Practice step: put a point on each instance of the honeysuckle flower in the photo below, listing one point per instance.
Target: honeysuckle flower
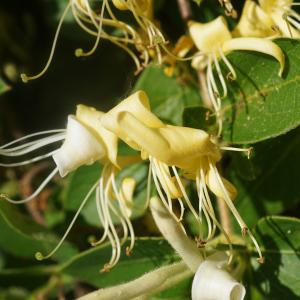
(255, 22)
(229, 10)
(85, 141)
(212, 281)
(171, 150)
(286, 19)
(213, 41)
(93, 23)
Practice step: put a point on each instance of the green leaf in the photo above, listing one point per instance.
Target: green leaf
(168, 96)
(198, 117)
(23, 238)
(278, 277)
(268, 183)
(260, 104)
(148, 254)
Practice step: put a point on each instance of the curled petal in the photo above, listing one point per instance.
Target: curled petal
(256, 44)
(212, 281)
(80, 147)
(138, 105)
(208, 37)
(174, 145)
(214, 186)
(91, 117)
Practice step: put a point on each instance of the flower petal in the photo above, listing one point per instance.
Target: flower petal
(212, 281)
(80, 147)
(91, 117)
(208, 37)
(258, 45)
(254, 22)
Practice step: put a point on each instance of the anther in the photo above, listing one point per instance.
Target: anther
(24, 77)
(244, 231)
(128, 251)
(39, 256)
(261, 260)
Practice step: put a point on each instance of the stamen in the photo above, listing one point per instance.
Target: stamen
(79, 52)
(121, 199)
(220, 75)
(32, 196)
(26, 78)
(232, 74)
(32, 146)
(249, 150)
(32, 135)
(187, 200)
(39, 255)
(29, 161)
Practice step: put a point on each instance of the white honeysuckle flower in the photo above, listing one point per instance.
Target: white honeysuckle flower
(85, 141)
(175, 152)
(213, 282)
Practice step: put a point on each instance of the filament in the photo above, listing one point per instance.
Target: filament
(39, 255)
(26, 78)
(37, 191)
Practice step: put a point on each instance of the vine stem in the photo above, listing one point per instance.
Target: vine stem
(185, 10)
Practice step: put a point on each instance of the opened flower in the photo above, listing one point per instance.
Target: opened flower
(213, 41)
(171, 150)
(286, 19)
(85, 142)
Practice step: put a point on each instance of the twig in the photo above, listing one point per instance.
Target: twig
(185, 10)
(26, 190)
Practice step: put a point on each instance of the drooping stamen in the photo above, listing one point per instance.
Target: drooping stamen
(158, 189)
(26, 78)
(210, 210)
(232, 74)
(121, 200)
(39, 255)
(188, 201)
(32, 196)
(220, 75)
(234, 210)
(79, 52)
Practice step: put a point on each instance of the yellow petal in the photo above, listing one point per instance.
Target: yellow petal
(183, 46)
(271, 5)
(254, 22)
(91, 117)
(138, 105)
(174, 145)
(213, 184)
(208, 37)
(80, 147)
(256, 44)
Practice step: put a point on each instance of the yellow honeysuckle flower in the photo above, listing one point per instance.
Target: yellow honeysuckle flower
(170, 149)
(214, 41)
(254, 22)
(285, 18)
(85, 141)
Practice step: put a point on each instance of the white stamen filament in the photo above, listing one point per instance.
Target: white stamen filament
(39, 255)
(232, 72)
(26, 78)
(220, 75)
(33, 195)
